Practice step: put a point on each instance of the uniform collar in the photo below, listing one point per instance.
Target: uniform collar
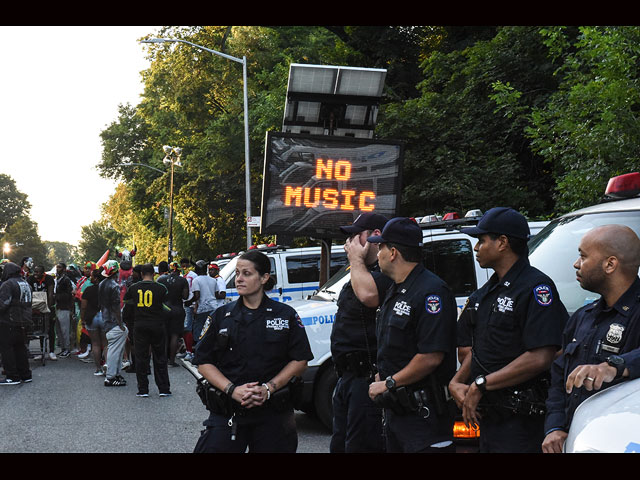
(513, 273)
(625, 303)
(408, 282)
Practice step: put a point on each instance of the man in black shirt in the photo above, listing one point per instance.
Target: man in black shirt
(148, 297)
(178, 288)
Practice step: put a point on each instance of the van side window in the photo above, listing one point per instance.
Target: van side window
(453, 262)
(303, 268)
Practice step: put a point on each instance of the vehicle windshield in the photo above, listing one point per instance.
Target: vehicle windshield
(555, 249)
(331, 289)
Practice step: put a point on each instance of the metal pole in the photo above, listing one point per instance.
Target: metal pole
(247, 173)
(170, 255)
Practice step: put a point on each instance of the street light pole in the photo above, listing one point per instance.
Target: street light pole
(173, 157)
(243, 61)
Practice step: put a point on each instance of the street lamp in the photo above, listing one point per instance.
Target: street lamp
(6, 248)
(172, 157)
(243, 61)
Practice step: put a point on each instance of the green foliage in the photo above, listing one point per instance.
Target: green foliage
(537, 118)
(23, 236)
(14, 203)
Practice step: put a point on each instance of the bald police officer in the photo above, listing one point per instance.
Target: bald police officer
(601, 344)
(416, 345)
(516, 321)
(357, 421)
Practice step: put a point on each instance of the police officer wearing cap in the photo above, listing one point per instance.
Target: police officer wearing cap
(416, 345)
(516, 321)
(357, 421)
(249, 352)
(601, 343)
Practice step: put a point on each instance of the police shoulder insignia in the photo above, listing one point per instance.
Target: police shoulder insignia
(543, 295)
(299, 321)
(433, 304)
(205, 327)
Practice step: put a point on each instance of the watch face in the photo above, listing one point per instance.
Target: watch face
(480, 380)
(615, 360)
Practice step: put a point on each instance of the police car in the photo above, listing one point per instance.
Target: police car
(296, 270)
(446, 252)
(609, 421)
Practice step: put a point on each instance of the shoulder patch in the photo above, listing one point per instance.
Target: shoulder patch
(543, 295)
(433, 304)
(299, 321)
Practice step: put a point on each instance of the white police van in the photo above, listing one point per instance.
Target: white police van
(609, 421)
(447, 252)
(296, 270)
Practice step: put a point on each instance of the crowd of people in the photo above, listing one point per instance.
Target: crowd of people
(115, 316)
(513, 363)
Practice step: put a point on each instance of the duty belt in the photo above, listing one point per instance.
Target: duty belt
(356, 363)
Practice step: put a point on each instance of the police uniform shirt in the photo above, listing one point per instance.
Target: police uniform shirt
(520, 313)
(354, 327)
(593, 333)
(418, 316)
(147, 299)
(252, 345)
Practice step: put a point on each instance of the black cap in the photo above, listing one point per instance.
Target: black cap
(502, 221)
(365, 221)
(400, 230)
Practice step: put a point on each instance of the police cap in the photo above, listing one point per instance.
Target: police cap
(400, 230)
(502, 221)
(365, 221)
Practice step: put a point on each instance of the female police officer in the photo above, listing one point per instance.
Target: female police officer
(249, 351)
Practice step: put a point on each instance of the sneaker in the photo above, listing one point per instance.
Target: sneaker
(125, 364)
(188, 356)
(8, 381)
(115, 382)
(64, 354)
(141, 394)
(165, 394)
(52, 356)
(38, 357)
(104, 369)
(27, 380)
(86, 353)
(99, 373)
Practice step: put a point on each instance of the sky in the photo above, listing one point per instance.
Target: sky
(60, 86)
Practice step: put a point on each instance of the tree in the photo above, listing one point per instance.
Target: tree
(14, 203)
(23, 233)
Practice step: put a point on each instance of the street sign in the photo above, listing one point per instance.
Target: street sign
(314, 184)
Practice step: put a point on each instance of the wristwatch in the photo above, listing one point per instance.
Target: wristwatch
(481, 383)
(618, 363)
(390, 383)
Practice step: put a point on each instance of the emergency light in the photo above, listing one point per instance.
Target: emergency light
(623, 186)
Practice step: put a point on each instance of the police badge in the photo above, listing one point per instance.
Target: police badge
(614, 335)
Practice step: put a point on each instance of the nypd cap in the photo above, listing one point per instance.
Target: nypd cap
(400, 230)
(502, 221)
(365, 221)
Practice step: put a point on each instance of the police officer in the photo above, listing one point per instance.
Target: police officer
(601, 341)
(416, 345)
(249, 352)
(516, 320)
(357, 421)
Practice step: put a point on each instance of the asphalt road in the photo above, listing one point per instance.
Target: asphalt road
(66, 409)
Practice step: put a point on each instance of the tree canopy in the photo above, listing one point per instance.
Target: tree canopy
(533, 117)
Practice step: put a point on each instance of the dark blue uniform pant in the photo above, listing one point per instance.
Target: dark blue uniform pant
(512, 434)
(15, 356)
(266, 433)
(412, 433)
(357, 421)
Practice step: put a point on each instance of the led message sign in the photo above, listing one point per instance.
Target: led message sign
(313, 184)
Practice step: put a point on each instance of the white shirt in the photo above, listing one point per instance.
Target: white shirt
(207, 286)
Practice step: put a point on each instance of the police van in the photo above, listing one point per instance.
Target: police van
(296, 270)
(447, 252)
(609, 421)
